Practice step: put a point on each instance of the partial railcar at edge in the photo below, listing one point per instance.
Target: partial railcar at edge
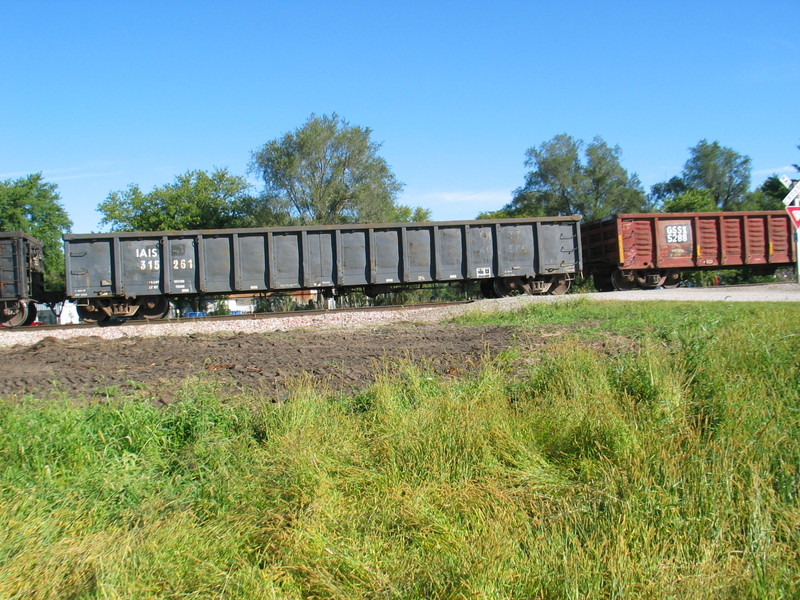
(127, 273)
(21, 278)
(651, 250)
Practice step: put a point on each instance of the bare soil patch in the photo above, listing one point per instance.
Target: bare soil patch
(262, 363)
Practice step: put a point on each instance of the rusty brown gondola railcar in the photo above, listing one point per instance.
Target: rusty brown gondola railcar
(651, 250)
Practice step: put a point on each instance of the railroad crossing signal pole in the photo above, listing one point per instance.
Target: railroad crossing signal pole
(791, 204)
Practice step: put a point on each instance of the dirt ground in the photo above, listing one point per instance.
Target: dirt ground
(262, 363)
(265, 363)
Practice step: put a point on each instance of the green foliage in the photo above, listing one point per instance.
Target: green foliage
(405, 214)
(221, 307)
(196, 200)
(31, 205)
(560, 182)
(721, 171)
(653, 453)
(329, 172)
(690, 201)
(254, 212)
(503, 213)
(713, 176)
(768, 197)
(660, 193)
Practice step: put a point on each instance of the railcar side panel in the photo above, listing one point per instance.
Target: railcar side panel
(13, 278)
(89, 268)
(707, 241)
(181, 274)
(732, 243)
(418, 254)
(558, 247)
(319, 252)
(354, 270)
(251, 263)
(141, 269)
(449, 258)
(285, 261)
(217, 264)
(515, 250)
(385, 256)
(668, 242)
(480, 251)
(780, 233)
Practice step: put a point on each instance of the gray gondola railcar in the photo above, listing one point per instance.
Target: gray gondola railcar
(21, 278)
(122, 274)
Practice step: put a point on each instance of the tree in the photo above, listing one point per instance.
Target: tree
(196, 200)
(404, 214)
(327, 171)
(663, 192)
(560, 182)
(31, 205)
(721, 171)
(767, 197)
(770, 195)
(690, 201)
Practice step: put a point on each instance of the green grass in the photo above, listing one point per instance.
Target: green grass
(662, 320)
(669, 470)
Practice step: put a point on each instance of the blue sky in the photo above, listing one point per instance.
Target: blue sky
(100, 95)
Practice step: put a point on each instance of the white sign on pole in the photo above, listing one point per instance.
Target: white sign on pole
(786, 181)
(792, 196)
(794, 215)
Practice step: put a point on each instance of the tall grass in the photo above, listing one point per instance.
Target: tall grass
(669, 470)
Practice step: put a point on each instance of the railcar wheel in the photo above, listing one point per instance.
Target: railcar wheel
(501, 288)
(622, 283)
(487, 288)
(91, 314)
(508, 286)
(156, 307)
(22, 316)
(602, 282)
(32, 312)
(560, 286)
(648, 281)
(672, 280)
